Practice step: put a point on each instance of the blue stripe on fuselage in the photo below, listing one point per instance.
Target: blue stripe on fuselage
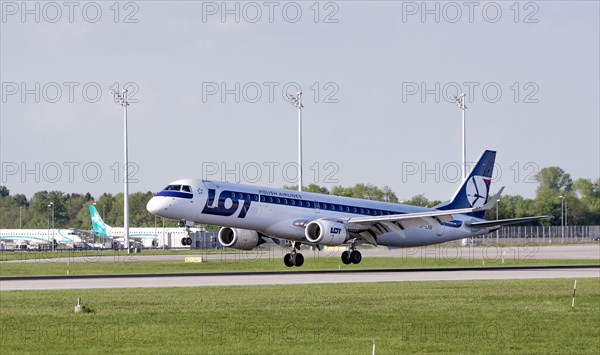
(175, 194)
(237, 197)
(326, 206)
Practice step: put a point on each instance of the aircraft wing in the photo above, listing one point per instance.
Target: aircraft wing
(422, 218)
(502, 222)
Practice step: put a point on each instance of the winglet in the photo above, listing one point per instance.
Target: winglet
(492, 202)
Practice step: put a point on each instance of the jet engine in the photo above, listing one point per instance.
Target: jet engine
(239, 238)
(326, 232)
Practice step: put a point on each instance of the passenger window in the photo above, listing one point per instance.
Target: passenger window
(285, 202)
(262, 198)
(300, 203)
(293, 203)
(277, 200)
(270, 199)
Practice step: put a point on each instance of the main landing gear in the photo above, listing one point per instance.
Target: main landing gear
(351, 256)
(295, 258)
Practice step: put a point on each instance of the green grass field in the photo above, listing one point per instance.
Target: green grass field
(241, 263)
(75, 253)
(529, 316)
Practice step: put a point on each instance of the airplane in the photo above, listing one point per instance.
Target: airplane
(37, 237)
(251, 215)
(148, 237)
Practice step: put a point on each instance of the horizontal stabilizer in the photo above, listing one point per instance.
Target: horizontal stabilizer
(503, 222)
(441, 215)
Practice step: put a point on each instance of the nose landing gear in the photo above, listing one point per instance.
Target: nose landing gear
(186, 240)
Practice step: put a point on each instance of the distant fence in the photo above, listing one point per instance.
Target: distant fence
(208, 240)
(543, 234)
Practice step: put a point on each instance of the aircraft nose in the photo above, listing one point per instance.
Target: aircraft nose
(155, 205)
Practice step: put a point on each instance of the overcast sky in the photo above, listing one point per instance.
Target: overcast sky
(210, 80)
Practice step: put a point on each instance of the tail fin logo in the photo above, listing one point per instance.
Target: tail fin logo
(98, 225)
(477, 190)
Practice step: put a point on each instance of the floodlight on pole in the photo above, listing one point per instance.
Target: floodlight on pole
(562, 218)
(51, 206)
(297, 101)
(460, 102)
(121, 99)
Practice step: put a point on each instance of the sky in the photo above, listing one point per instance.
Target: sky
(207, 85)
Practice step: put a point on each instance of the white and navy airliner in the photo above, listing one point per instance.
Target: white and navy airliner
(252, 215)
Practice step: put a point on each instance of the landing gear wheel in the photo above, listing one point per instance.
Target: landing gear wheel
(298, 259)
(346, 257)
(183, 241)
(355, 257)
(188, 241)
(294, 258)
(287, 260)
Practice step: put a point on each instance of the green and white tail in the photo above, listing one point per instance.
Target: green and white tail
(98, 225)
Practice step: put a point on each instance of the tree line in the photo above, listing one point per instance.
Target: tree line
(71, 210)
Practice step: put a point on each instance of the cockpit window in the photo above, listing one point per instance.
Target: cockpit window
(173, 188)
(186, 188)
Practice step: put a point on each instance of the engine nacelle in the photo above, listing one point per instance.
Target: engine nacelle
(326, 232)
(239, 238)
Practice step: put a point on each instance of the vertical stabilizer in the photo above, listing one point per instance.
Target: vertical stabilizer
(475, 190)
(98, 225)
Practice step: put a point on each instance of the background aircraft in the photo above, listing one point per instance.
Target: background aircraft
(252, 215)
(148, 237)
(37, 238)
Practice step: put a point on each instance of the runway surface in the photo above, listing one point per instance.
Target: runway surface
(293, 278)
(439, 252)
